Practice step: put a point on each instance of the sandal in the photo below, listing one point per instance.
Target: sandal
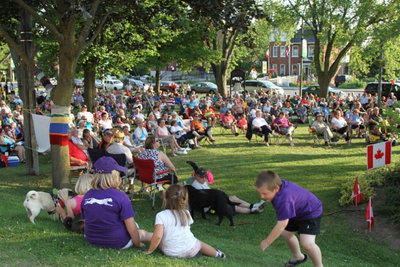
(294, 263)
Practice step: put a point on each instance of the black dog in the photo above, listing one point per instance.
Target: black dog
(215, 199)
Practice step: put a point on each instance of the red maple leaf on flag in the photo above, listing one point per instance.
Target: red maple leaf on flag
(379, 154)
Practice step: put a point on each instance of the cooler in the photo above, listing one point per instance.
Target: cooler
(13, 161)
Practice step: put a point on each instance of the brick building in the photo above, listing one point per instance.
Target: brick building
(286, 61)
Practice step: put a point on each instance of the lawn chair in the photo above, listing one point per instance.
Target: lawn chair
(145, 170)
(317, 138)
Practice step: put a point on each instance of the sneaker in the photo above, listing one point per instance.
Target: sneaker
(181, 152)
(188, 148)
(266, 144)
(220, 254)
(256, 210)
(174, 155)
(259, 205)
(291, 143)
(236, 134)
(334, 143)
(326, 143)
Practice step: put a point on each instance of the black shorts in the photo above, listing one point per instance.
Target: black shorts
(309, 226)
(357, 126)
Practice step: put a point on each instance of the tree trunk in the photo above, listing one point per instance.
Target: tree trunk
(90, 89)
(324, 81)
(220, 78)
(157, 87)
(62, 100)
(27, 93)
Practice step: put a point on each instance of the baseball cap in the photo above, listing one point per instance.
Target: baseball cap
(84, 106)
(107, 165)
(201, 172)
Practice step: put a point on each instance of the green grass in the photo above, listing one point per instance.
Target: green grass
(235, 164)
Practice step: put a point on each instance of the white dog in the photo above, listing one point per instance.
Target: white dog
(35, 201)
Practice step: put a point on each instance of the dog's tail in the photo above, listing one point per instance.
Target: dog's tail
(194, 165)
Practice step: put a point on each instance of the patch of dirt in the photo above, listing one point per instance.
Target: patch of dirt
(384, 230)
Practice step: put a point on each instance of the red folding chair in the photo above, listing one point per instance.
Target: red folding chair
(145, 170)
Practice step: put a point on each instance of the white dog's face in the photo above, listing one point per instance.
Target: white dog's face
(35, 201)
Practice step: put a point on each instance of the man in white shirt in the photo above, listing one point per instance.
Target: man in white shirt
(260, 125)
(200, 175)
(87, 114)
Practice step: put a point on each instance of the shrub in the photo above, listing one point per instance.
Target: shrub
(353, 83)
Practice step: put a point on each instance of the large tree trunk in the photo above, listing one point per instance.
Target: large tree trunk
(220, 78)
(27, 93)
(324, 81)
(90, 89)
(62, 100)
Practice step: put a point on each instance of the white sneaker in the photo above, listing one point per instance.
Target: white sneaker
(266, 144)
(259, 205)
(187, 148)
(291, 143)
(181, 152)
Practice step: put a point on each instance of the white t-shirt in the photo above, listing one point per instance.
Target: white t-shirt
(177, 239)
(339, 123)
(258, 122)
(199, 186)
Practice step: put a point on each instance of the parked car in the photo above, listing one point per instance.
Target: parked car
(78, 83)
(267, 86)
(339, 79)
(314, 89)
(168, 86)
(134, 83)
(387, 88)
(98, 84)
(204, 87)
(113, 84)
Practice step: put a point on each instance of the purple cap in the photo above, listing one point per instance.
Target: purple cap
(107, 165)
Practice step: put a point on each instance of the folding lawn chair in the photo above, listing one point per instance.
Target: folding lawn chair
(146, 173)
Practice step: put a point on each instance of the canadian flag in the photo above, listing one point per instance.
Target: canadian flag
(379, 155)
(369, 215)
(267, 54)
(287, 52)
(356, 194)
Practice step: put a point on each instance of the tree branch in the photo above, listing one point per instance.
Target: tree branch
(52, 28)
(95, 34)
(10, 41)
(85, 30)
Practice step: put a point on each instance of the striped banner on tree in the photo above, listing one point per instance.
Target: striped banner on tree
(59, 129)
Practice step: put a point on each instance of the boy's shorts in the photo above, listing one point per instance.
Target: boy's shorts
(308, 226)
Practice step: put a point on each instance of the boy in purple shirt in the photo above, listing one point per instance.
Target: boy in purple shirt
(296, 210)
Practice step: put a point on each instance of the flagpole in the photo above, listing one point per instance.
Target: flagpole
(370, 223)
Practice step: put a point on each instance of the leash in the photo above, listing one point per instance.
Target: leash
(339, 211)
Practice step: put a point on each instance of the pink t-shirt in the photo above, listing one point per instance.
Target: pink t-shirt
(77, 209)
(284, 122)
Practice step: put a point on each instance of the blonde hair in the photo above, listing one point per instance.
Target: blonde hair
(84, 183)
(106, 180)
(268, 179)
(176, 199)
(119, 135)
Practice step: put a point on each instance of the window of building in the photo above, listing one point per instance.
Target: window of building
(275, 51)
(310, 51)
(275, 67)
(295, 69)
(295, 51)
(282, 70)
(282, 51)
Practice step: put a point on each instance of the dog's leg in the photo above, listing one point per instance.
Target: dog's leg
(220, 218)
(34, 214)
(231, 220)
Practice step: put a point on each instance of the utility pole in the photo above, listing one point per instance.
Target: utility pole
(380, 75)
(301, 62)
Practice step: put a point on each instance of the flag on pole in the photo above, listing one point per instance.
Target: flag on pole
(356, 194)
(267, 54)
(369, 215)
(287, 52)
(379, 154)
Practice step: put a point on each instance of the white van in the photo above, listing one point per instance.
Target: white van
(113, 84)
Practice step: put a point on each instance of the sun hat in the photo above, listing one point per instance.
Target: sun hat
(107, 165)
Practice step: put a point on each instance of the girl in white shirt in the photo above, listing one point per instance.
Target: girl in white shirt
(172, 233)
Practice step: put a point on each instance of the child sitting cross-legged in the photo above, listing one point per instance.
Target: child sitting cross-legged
(172, 233)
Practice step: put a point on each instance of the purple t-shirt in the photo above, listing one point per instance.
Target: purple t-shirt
(295, 202)
(104, 212)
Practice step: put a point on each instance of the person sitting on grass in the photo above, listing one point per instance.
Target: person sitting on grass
(108, 212)
(200, 176)
(297, 210)
(172, 233)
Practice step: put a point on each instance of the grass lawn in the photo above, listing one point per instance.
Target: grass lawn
(235, 164)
